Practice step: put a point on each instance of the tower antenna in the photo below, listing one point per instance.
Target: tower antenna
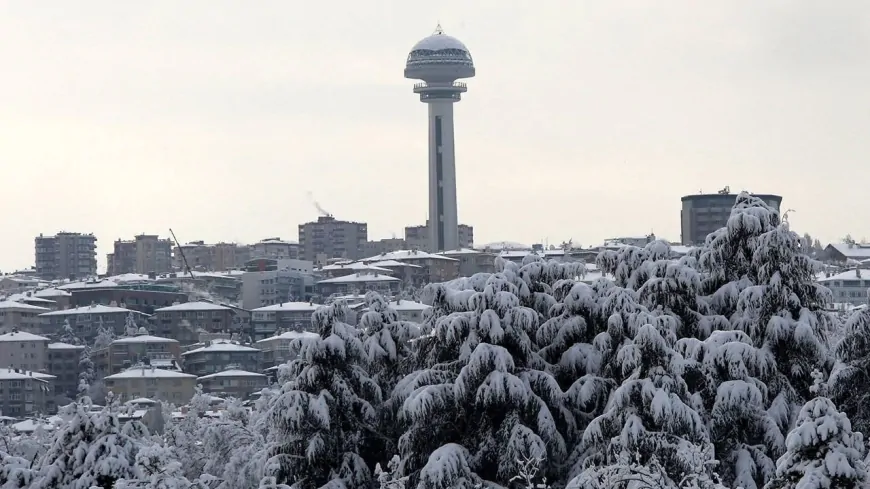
(438, 30)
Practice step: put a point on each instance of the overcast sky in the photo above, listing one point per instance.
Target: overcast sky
(587, 119)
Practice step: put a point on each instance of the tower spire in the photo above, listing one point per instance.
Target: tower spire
(438, 30)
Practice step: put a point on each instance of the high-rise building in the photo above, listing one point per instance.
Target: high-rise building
(66, 255)
(145, 253)
(704, 213)
(439, 60)
(330, 238)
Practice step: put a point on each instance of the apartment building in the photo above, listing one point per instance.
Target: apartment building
(23, 350)
(130, 351)
(276, 349)
(417, 237)
(407, 310)
(23, 394)
(287, 316)
(430, 267)
(276, 248)
(152, 383)
(66, 255)
(849, 287)
(60, 297)
(228, 256)
(472, 261)
(13, 284)
(704, 213)
(270, 285)
(188, 320)
(87, 320)
(219, 355)
(30, 299)
(359, 283)
(18, 315)
(330, 238)
(64, 363)
(145, 253)
(236, 383)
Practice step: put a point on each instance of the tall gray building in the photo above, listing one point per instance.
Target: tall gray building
(704, 213)
(66, 255)
(418, 238)
(331, 238)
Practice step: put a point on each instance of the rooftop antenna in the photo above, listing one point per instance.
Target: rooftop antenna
(438, 30)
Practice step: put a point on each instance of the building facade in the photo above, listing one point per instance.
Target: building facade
(417, 237)
(64, 363)
(704, 213)
(233, 383)
(330, 238)
(87, 320)
(288, 316)
(25, 351)
(270, 287)
(276, 349)
(275, 248)
(130, 351)
(219, 355)
(196, 317)
(152, 383)
(66, 255)
(22, 394)
(20, 316)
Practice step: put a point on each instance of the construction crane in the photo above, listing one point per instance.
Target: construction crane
(181, 251)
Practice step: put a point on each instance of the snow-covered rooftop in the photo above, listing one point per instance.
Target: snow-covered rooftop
(401, 255)
(461, 251)
(393, 263)
(31, 425)
(92, 309)
(505, 245)
(404, 305)
(143, 338)
(291, 335)
(91, 284)
(150, 372)
(20, 306)
(289, 306)
(359, 277)
(193, 306)
(221, 346)
(52, 292)
(22, 336)
(854, 251)
(354, 266)
(64, 346)
(854, 274)
(141, 400)
(11, 374)
(232, 373)
(28, 297)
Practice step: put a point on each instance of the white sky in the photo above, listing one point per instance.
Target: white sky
(588, 119)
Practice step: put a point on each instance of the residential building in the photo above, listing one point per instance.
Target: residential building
(276, 349)
(273, 285)
(348, 268)
(472, 261)
(23, 394)
(66, 255)
(226, 285)
(219, 355)
(20, 316)
(417, 237)
(87, 320)
(407, 310)
(331, 238)
(359, 283)
(704, 213)
(236, 383)
(64, 363)
(32, 300)
(844, 252)
(188, 320)
(381, 246)
(60, 297)
(275, 248)
(145, 253)
(23, 350)
(143, 297)
(228, 256)
(122, 259)
(432, 268)
(13, 284)
(199, 256)
(849, 287)
(152, 383)
(130, 351)
(288, 316)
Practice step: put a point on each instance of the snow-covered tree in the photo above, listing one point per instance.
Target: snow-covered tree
(105, 336)
(186, 434)
(93, 449)
(650, 413)
(86, 372)
(485, 399)
(130, 327)
(324, 416)
(822, 451)
(68, 335)
(850, 381)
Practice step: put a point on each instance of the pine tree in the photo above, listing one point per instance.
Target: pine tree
(86, 372)
(484, 402)
(850, 380)
(130, 327)
(324, 416)
(104, 336)
(69, 336)
(822, 451)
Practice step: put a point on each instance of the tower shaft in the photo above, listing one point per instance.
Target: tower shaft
(443, 219)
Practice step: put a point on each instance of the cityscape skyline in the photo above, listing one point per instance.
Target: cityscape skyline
(609, 106)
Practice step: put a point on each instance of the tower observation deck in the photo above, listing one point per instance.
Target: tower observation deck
(439, 60)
